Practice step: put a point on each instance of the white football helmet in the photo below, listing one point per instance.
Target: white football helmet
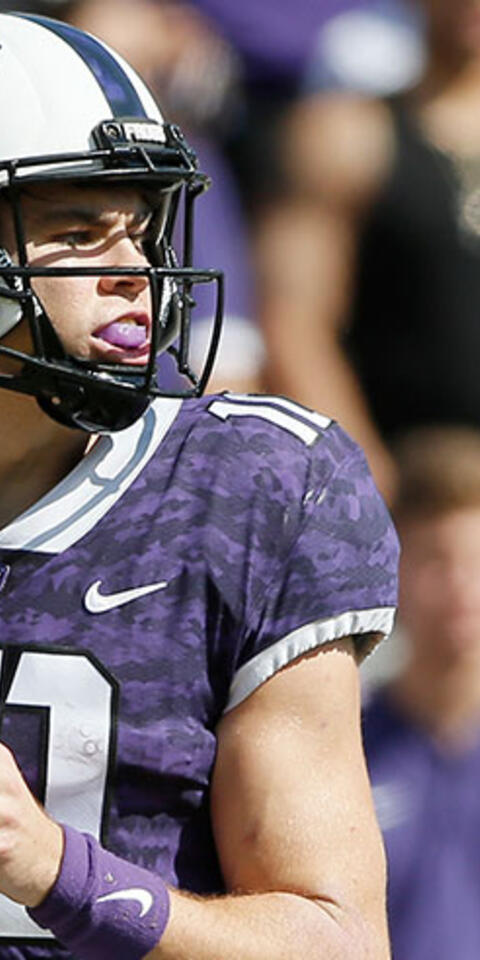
(71, 109)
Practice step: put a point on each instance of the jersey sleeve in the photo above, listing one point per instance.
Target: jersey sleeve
(332, 554)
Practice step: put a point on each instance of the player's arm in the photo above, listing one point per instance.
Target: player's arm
(295, 830)
(336, 154)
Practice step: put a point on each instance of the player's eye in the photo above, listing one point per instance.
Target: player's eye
(75, 239)
(89, 237)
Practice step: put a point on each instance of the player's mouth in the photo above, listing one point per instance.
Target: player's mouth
(125, 339)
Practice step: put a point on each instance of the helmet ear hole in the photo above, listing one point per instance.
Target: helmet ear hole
(10, 308)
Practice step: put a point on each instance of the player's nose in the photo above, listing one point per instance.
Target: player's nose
(124, 253)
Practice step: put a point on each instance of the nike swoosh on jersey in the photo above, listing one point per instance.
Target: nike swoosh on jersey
(96, 602)
(143, 897)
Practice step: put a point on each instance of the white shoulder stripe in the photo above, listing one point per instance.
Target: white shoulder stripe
(266, 663)
(223, 409)
(311, 416)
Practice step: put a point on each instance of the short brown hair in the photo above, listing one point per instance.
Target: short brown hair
(438, 471)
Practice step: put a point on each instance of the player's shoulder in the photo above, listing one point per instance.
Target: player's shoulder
(253, 435)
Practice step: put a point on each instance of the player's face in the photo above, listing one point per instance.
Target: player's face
(104, 318)
(440, 586)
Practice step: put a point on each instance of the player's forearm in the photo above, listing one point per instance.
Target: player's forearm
(279, 926)
(103, 904)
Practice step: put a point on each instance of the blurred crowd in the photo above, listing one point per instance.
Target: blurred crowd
(343, 141)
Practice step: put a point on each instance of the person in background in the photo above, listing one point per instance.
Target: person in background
(369, 257)
(273, 41)
(422, 729)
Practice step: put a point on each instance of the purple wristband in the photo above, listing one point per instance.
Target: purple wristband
(102, 906)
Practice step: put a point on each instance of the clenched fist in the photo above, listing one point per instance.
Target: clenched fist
(31, 844)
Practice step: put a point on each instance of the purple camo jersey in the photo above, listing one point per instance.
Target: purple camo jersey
(427, 805)
(157, 586)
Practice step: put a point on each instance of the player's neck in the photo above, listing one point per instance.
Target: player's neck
(445, 702)
(35, 454)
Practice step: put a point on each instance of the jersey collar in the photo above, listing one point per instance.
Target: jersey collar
(73, 507)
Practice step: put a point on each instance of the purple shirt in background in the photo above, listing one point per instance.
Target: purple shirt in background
(273, 36)
(278, 39)
(428, 806)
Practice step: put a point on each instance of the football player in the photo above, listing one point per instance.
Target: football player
(186, 583)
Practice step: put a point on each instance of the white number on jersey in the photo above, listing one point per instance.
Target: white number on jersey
(302, 423)
(79, 699)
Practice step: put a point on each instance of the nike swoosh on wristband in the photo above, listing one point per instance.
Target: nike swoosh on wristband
(96, 602)
(143, 897)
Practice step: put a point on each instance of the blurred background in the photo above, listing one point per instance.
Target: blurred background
(343, 141)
